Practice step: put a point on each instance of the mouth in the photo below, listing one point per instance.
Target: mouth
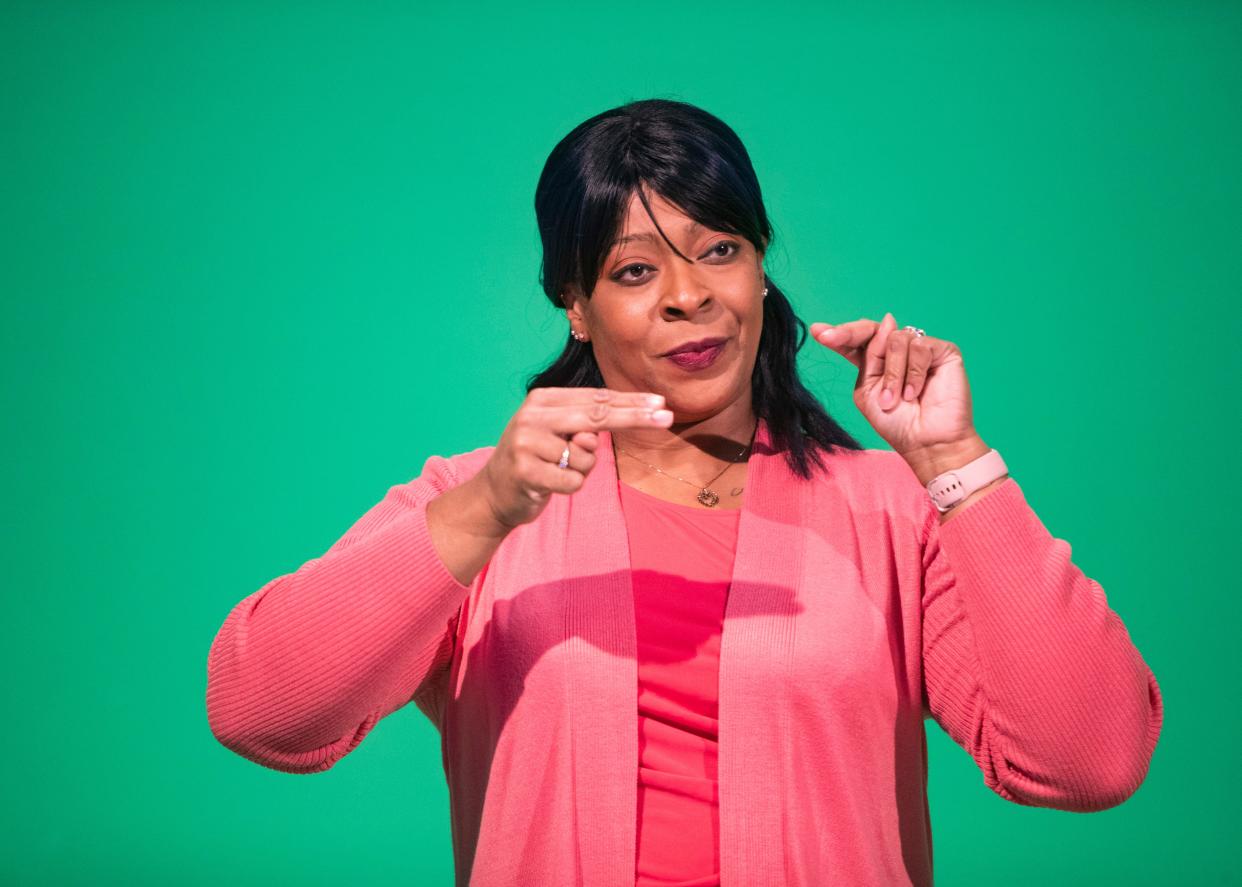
(700, 345)
(701, 357)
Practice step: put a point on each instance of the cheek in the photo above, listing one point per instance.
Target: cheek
(629, 323)
(754, 324)
(619, 329)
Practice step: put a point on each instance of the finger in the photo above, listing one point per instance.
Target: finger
(873, 359)
(546, 478)
(547, 475)
(588, 440)
(551, 396)
(550, 448)
(846, 339)
(921, 353)
(572, 418)
(835, 336)
(540, 400)
(896, 357)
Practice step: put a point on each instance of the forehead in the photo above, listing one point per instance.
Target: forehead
(636, 224)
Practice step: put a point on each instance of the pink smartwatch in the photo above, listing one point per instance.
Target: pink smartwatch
(952, 487)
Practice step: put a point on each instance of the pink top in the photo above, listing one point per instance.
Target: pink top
(682, 558)
(854, 617)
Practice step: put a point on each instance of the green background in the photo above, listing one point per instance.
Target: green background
(261, 260)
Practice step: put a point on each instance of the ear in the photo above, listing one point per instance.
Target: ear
(573, 307)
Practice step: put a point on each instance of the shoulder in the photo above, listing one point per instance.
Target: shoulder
(449, 471)
(870, 467)
(878, 479)
(466, 463)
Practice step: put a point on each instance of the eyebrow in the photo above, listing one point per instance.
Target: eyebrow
(648, 235)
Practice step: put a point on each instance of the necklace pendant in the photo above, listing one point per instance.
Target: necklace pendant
(708, 497)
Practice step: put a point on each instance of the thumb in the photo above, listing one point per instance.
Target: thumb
(828, 335)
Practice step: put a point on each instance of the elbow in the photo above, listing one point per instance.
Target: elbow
(243, 718)
(239, 728)
(263, 751)
(1116, 783)
(1120, 770)
(1120, 774)
(282, 750)
(239, 737)
(1109, 787)
(1101, 788)
(1106, 776)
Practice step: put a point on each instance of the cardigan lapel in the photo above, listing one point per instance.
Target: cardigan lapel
(601, 679)
(602, 669)
(756, 648)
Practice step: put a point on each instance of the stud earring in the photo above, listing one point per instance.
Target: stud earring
(765, 291)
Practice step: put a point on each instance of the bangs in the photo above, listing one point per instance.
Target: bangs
(697, 164)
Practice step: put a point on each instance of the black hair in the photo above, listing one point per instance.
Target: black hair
(697, 163)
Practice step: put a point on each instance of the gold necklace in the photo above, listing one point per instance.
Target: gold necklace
(707, 495)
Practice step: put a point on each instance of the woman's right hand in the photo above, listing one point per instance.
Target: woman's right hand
(522, 474)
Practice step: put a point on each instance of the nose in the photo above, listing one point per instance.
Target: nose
(685, 297)
(684, 305)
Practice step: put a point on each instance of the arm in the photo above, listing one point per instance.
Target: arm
(464, 529)
(302, 669)
(1025, 665)
(934, 461)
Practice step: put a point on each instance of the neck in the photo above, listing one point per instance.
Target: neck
(694, 445)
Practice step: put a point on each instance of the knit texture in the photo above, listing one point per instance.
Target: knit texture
(853, 615)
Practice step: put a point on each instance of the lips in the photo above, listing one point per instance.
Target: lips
(698, 346)
(696, 360)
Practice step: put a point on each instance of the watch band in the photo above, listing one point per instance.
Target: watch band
(952, 487)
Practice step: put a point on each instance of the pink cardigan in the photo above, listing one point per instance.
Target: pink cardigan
(853, 615)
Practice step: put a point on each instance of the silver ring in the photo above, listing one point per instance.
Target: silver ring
(564, 463)
(914, 329)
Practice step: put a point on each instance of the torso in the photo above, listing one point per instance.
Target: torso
(673, 490)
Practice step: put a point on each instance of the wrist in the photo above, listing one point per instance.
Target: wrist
(930, 462)
(468, 508)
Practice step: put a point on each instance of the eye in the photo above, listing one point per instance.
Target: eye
(727, 243)
(731, 249)
(620, 277)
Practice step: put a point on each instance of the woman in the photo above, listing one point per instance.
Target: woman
(708, 659)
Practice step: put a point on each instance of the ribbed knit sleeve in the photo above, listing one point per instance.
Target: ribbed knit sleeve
(303, 668)
(1025, 664)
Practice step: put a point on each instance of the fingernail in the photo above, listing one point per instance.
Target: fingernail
(909, 392)
(662, 415)
(656, 400)
(886, 397)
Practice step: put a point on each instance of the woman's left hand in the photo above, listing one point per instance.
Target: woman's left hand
(913, 390)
